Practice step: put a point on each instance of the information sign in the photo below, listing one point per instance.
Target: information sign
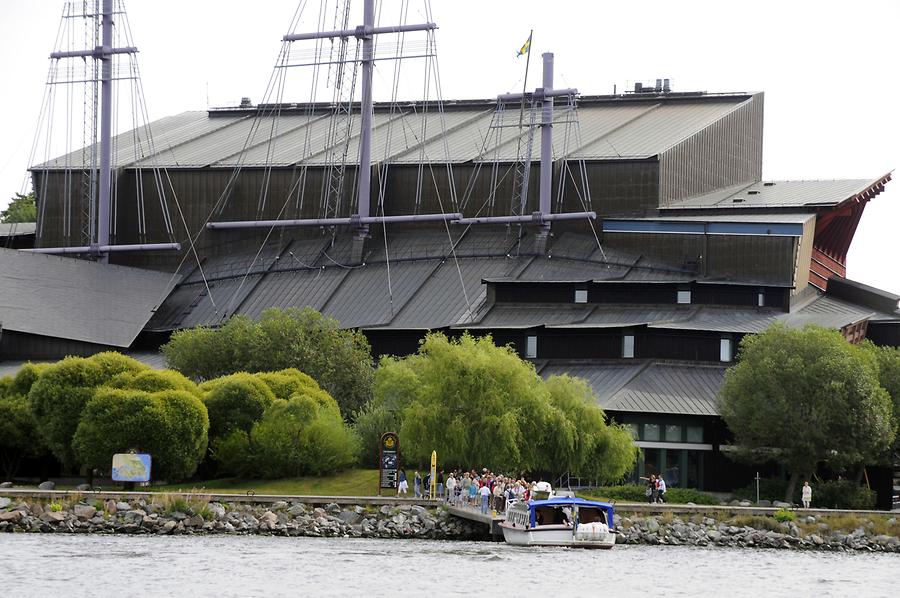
(389, 461)
(131, 467)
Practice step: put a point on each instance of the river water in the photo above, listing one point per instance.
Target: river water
(195, 566)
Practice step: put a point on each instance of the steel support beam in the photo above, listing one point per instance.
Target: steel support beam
(535, 218)
(358, 32)
(356, 221)
(100, 249)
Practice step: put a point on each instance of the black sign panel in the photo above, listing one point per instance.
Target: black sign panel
(389, 462)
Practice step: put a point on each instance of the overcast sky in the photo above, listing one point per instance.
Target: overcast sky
(829, 71)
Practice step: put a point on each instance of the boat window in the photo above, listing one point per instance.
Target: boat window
(591, 515)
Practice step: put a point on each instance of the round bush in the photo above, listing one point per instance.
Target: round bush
(287, 382)
(154, 381)
(235, 402)
(112, 364)
(170, 425)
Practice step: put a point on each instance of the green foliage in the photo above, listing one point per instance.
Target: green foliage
(57, 398)
(769, 489)
(476, 403)
(340, 360)
(635, 493)
(18, 433)
(6, 383)
(287, 382)
(154, 381)
(112, 364)
(20, 209)
(171, 425)
(782, 515)
(807, 396)
(842, 494)
(300, 436)
(26, 377)
(371, 422)
(235, 402)
(888, 359)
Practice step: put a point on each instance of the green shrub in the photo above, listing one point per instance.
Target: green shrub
(235, 402)
(170, 425)
(26, 377)
(6, 383)
(637, 493)
(842, 494)
(231, 452)
(112, 364)
(301, 437)
(154, 381)
(834, 494)
(57, 398)
(287, 382)
(371, 422)
(783, 515)
(18, 433)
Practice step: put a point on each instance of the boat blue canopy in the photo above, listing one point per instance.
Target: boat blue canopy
(570, 501)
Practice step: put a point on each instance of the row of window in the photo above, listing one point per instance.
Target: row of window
(725, 348)
(682, 297)
(667, 433)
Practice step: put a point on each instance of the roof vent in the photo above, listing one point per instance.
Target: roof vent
(752, 192)
(737, 200)
(245, 103)
(769, 184)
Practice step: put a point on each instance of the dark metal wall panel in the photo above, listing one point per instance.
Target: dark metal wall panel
(18, 345)
(628, 187)
(727, 152)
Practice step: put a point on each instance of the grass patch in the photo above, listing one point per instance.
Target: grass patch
(193, 503)
(353, 482)
(783, 515)
(756, 522)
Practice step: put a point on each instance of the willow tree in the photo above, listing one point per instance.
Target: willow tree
(478, 404)
(805, 397)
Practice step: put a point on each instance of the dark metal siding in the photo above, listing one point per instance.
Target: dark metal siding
(727, 152)
(18, 345)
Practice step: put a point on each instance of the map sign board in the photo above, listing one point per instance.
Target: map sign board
(131, 467)
(389, 463)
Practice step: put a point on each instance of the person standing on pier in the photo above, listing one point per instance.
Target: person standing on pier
(806, 495)
(403, 486)
(417, 485)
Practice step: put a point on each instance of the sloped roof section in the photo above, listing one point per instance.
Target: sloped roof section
(786, 194)
(648, 387)
(610, 128)
(77, 299)
(17, 229)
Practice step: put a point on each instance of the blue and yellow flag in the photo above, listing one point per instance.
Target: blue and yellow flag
(526, 47)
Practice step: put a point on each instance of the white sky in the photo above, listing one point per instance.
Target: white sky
(829, 71)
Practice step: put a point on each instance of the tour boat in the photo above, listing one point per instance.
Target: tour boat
(560, 521)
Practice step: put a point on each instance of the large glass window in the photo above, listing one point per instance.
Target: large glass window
(531, 347)
(652, 461)
(651, 431)
(628, 346)
(695, 434)
(634, 430)
(673, 467)
(673, 433)
(684, 296)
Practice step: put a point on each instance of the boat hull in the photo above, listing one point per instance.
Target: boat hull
(554, 535)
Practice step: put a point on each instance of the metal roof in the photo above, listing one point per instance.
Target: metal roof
(784, 194)
(77, 299)
(154, 359)
(17, 229)
(648, 387)
(608, 128)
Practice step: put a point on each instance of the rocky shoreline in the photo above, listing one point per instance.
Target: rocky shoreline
(169, 515)
(812, 533)
(280, 518)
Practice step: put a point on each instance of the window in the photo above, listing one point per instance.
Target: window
(633, 428)
(628, 346)
(684, 296)
(673, 433)
(651, 431)
(580, 296)
(761, 299)
(531, 347)
(695, 434)
(725, 349)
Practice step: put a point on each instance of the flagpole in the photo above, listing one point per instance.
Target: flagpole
(525, 83)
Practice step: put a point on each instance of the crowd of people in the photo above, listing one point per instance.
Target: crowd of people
(486, 490)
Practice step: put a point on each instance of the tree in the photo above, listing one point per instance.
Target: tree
(61, 391)
(477, 403)
(20, 209)
(805, 397)
(888, 359)
(235, 402)
(339, 360)
(18, 432)
(170, 425)
(302, 435)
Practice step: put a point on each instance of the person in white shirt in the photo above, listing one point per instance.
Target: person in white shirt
(661, 489)
(806, 495)
(451, 488)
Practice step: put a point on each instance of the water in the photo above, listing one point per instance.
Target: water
(223, 566)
